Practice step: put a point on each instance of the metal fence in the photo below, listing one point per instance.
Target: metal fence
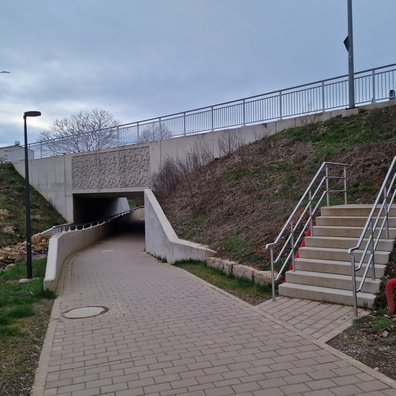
(371, 86)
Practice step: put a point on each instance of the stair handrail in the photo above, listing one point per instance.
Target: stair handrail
(311, 195)
(376, 223)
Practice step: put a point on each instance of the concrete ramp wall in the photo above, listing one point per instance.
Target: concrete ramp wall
(69, 243)
(161, 239)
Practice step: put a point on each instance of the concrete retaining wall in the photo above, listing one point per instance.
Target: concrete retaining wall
(161, 239)
(63, 246)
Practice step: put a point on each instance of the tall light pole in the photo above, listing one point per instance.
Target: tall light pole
(351, 67)
(27, 196)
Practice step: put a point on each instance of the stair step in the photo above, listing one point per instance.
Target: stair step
(334, 281)
(352, 232)
(325, 294)
(334, 267)
(350, 221)
(381, 257)
(352, 210)
(343, 242)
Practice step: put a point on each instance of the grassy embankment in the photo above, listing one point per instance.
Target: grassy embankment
(24, 307)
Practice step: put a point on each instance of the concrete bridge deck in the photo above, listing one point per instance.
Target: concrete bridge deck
(167, 333)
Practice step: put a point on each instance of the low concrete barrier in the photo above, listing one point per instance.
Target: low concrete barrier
(262, 278)
(161, 239)
(63, 246)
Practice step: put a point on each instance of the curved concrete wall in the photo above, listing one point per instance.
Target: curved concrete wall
(161, 239)
(63, 246)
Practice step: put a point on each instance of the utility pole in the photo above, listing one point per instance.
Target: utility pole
(351, 68)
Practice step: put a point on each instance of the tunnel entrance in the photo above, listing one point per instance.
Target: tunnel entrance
(92, 207)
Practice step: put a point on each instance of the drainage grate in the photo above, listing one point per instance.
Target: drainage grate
(85, 312)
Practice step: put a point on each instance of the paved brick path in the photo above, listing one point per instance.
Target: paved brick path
(169, 333)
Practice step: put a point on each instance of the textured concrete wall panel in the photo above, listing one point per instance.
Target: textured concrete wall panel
(129, 167)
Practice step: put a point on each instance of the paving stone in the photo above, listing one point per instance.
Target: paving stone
(168, 333)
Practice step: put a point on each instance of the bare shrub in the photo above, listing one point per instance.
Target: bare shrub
(173, 171)
(168, 177)
(228, 142)
(155, 131)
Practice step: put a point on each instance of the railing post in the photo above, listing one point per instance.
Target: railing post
(244, 112)
(292, 245)
(212, 117)
(323, 97)
(386, 213)
(160, 129)
(137, 131)
(345, 186)
(184, 123)
(373, 85)
(372, 248)
(272, 274)
(354, 294)
(327, 186)
(310, 213)
(280, 105)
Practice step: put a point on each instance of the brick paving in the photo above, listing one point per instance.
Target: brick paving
(168, 333)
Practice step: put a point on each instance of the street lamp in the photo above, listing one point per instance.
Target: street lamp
(349, 46)
(27, 196)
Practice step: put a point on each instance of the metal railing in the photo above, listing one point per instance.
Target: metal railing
(376, 225)
(371, 86)
(329, 179)
(59, 230)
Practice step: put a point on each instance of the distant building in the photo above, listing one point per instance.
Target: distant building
(14, 153)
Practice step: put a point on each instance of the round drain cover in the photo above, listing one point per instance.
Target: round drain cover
(85, 312)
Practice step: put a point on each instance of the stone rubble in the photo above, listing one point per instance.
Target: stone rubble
(9, 255)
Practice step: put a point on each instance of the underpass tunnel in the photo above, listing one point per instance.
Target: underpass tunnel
(92, 207)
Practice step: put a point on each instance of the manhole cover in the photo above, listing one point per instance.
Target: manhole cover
(85, 312)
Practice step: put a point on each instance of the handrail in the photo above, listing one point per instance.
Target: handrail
(376, 224)
(318, 189)
(59, 230)
(372, 85)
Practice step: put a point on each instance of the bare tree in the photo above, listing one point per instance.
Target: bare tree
(82, 131)
(155, 131)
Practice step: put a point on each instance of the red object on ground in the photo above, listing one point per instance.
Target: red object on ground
(389, 295)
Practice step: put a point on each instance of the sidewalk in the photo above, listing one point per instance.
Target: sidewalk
(166, 332)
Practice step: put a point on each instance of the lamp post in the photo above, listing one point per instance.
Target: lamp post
(351, 71)
(27, 196)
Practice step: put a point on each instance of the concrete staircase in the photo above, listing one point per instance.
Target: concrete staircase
(323, 269)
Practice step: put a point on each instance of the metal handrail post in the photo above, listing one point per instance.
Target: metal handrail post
(272, 274)
(345, 186)
(323, 97)
(212, 117)
(292, 246)
(386, 213)
(372, 248)
(184, 123)
(327, 185)
(373, 85)
(310, 213)
(244, 112)
(354, 293)
(280, 105)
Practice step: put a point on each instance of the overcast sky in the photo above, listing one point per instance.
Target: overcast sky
(144, 58)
